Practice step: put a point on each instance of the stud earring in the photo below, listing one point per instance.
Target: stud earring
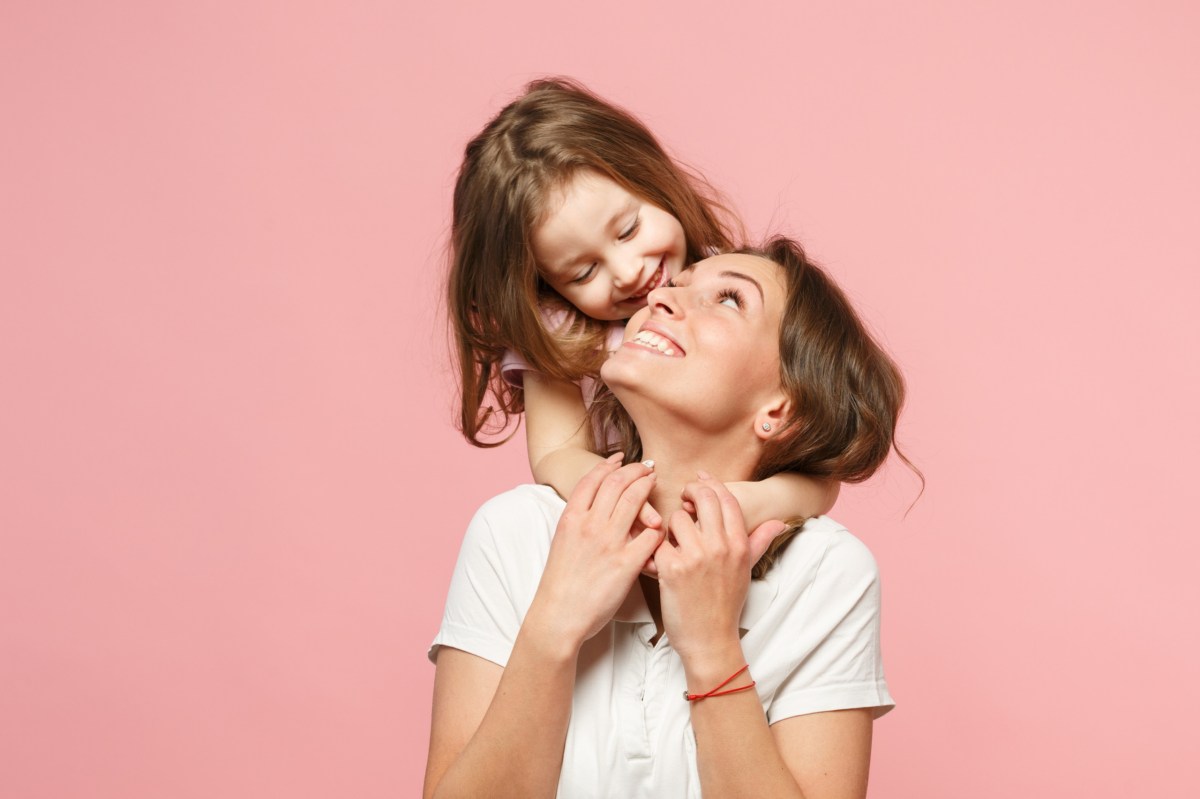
(766, 427)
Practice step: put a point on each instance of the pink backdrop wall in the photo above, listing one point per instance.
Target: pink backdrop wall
(230, 491)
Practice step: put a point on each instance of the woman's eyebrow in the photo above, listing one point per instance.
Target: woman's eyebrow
(742, 276)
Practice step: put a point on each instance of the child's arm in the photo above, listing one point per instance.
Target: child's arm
(784, 496)
(556, 432)
(558, 436)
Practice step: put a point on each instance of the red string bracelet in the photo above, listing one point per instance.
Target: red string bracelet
(717, 691)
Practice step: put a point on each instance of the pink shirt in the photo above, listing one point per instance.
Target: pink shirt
(513, 368)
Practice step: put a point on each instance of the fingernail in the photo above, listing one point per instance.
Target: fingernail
(649, 464)
(703, 475)
(616, 457)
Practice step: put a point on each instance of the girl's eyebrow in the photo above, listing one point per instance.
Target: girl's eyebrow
(742, 276)
(613, 223)
(625, 210)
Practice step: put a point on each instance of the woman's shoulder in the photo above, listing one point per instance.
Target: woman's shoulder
(527, 512)
(826, 548)
(524, 498)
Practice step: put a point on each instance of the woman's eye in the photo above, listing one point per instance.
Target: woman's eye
(670, 284)
(730, 297)
(628, 233)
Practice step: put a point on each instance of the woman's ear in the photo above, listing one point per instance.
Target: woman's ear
(772, 416)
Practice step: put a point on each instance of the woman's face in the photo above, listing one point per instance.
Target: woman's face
(707, 347)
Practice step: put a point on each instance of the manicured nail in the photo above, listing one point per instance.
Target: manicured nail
(616, 457)
(649, 464)
(703, 475)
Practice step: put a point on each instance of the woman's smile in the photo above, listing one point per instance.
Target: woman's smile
(653, 338)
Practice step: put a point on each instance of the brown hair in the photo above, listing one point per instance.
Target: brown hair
(495, 293)
(846, 392)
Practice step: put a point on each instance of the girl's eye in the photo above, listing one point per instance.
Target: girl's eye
(629, 232)
(587, 275)
(730, 297)
(670, 284)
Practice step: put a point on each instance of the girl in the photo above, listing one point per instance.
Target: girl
(567, 213)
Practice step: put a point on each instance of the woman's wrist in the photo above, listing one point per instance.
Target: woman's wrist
(549, 636)
(705, 668)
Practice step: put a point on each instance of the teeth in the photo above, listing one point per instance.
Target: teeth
(650, 286)
(651, 339)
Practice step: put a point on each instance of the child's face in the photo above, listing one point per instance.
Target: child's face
(603, 249)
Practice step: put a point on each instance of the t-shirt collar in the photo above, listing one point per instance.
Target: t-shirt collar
(760, 596)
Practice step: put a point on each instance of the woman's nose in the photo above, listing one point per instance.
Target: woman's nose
(664, 301)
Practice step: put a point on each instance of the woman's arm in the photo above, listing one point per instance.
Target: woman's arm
(483, 715)
(703, 583)
(500, 731)
(785, 496)
(815, 756)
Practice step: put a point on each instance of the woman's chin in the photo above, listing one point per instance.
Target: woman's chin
(626, 379)
(616, 371)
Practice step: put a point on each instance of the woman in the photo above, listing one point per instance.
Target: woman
(561, 666)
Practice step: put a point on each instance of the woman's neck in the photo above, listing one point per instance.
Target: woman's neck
(676, 463)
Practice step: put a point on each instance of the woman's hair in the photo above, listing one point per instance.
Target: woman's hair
(533, 147)
(845, 391)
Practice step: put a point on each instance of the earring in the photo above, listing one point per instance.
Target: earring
(766, 427)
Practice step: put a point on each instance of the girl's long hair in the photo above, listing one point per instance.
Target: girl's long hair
(495, 295)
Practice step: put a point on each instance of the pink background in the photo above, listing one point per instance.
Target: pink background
(230, 490)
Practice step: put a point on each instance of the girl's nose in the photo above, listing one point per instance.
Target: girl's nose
(627, 272)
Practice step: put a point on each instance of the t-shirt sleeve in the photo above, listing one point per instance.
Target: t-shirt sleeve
(513, 368)
(840, 611)
(513, 365)
(496, 575)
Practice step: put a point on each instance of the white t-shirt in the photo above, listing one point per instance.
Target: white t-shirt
(810, 632)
